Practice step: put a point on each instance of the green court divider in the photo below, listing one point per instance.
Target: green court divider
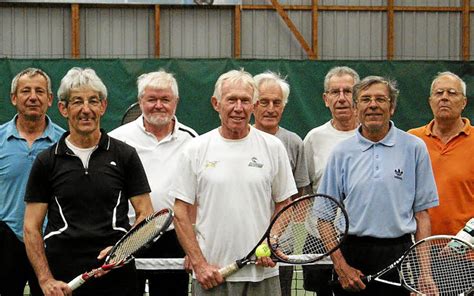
(196, 79)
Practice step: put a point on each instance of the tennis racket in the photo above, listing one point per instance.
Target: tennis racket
(132, 113)
(136, 239)
(437, 265)
(287, 231)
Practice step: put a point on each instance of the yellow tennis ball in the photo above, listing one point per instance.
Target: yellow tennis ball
(263, 251)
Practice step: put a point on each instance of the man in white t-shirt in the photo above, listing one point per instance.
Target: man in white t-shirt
(238, 177)
(273, 93)
(318, 145)
(158, 138)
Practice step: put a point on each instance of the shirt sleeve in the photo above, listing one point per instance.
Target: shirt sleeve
(309, 153)
(426, 195)
(185, 183)
(38, 188)
(301, 170)
(332, 180)
(283, 185)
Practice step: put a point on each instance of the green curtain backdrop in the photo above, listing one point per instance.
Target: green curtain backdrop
(196, 78)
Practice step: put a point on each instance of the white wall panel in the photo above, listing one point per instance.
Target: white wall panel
(117, 32)
(196, 32)
(352, 35)
(35, 32)
(40, 31)
(428, 35)
(265, 35)
(436, 3)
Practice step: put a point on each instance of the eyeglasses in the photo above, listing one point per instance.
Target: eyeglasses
(440, 92)
(335, 93)
(379, 100)
(79, 103)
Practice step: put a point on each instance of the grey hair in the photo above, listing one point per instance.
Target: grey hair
(30, 72)
(234, 76)
(371, 80)
(77, 78)
(271, 77)
(157, 80)
(340, 71)
(447, 73)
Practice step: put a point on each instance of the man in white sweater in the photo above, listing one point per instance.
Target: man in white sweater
(318, 145)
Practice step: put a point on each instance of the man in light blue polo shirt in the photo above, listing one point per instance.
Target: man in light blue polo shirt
(384, 178)
(21, 139)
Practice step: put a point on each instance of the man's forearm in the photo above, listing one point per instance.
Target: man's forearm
(34, 244)
(186, 235)
(423, 225)
(338, 260)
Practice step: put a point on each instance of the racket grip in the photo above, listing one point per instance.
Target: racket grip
(335, 283)
(76, 282)
(229, 269)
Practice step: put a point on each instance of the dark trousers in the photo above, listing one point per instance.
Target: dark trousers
(316, 277)
(164, 282)
(370, 255)
(286, 278)
(15, 269)
(68, 260)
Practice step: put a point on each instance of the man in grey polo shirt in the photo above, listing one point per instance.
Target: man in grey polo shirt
(384, 178)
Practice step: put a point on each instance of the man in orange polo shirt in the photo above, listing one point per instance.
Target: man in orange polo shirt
(450, 141)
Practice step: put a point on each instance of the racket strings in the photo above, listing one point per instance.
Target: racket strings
(141, 236)
(436, 268)
(132, 113)
(292, 239)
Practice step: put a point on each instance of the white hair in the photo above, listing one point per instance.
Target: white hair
(234, 76)
(157, 80)
(77, 78)
(447, 73)
(271, 77)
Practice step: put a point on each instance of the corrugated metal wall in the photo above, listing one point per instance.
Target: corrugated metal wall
(31, 32)
(196, 33)
(39, 31)
(117, 32)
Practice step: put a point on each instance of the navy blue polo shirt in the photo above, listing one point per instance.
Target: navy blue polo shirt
(87, 207)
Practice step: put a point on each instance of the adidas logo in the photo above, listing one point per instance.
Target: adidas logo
(398, 174)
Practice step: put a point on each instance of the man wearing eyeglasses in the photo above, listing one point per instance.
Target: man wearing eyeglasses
(449, 138)
(273, 93)
(384, 178)
(83, 184)
(318, 144)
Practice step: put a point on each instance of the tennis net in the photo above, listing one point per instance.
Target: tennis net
(177, 264)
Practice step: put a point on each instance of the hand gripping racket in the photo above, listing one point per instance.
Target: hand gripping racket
(436, 265)
(287, 232)
(136, 239)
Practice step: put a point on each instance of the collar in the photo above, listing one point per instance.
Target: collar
(174, 132)
(12, 131)
(465, 130)
(388, 140)
(62, 149)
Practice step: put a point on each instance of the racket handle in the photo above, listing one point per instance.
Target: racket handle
(76, 282)
(229, 269)
(335, 283)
